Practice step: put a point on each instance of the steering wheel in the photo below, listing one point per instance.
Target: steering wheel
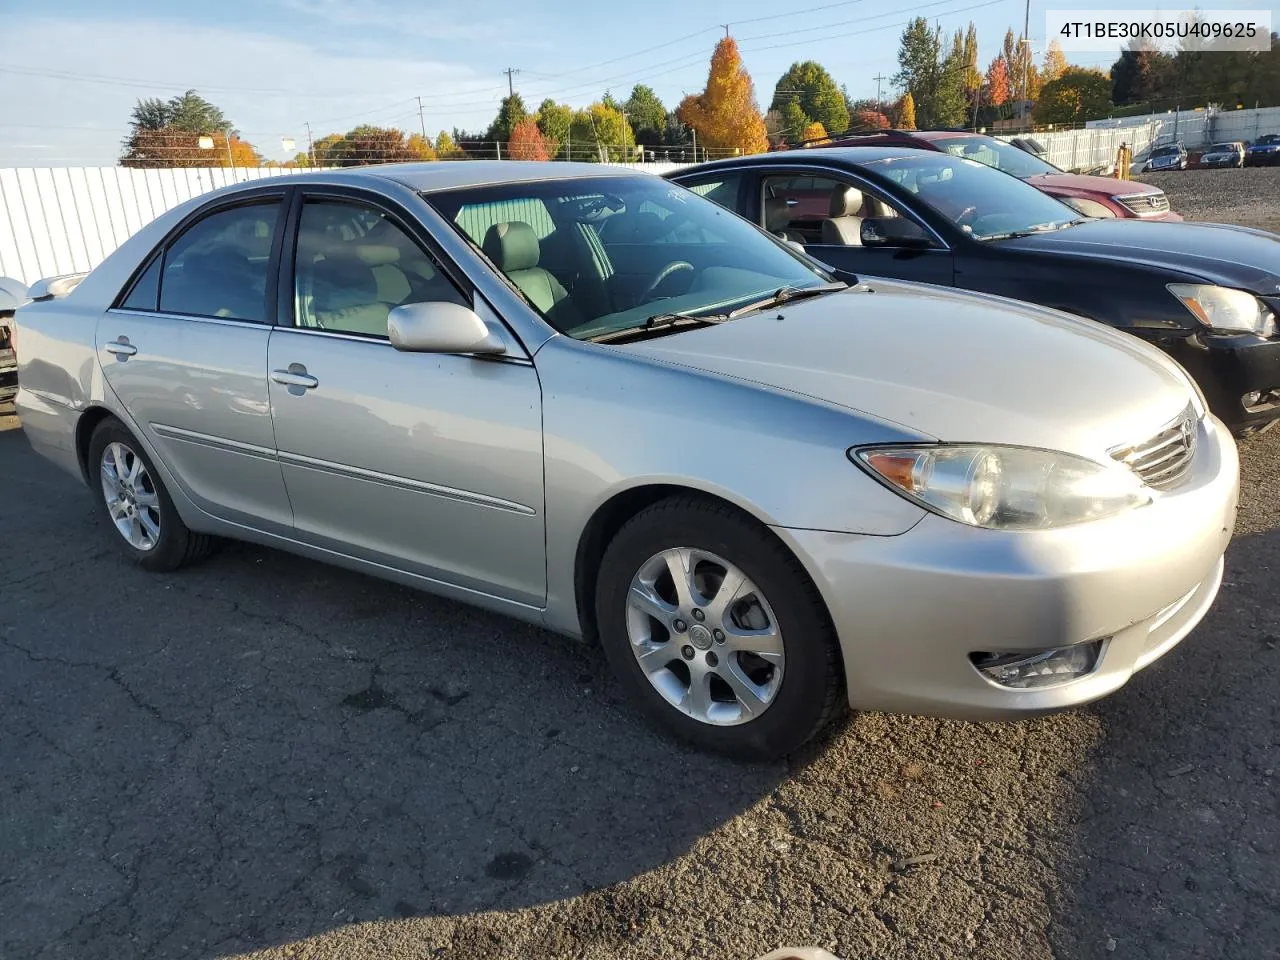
(670, 270)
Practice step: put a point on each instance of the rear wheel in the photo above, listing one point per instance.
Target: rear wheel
(144, 522)
(716, 631)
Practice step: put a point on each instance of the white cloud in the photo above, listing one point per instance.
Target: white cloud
(267, 85)
(410, 20)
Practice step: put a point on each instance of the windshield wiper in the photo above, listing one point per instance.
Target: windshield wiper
(1051, 227)
(660, 321)
(786, 295)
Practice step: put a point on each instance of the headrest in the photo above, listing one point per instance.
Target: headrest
(777, 214)
(376, 254)
(512, 246)
(845, 202)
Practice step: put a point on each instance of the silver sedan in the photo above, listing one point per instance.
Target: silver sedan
(594, 400)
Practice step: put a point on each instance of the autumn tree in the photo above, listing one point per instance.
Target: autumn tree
(997, 82)
(554, 120)
(1078, 95)
(725, 114)
(527, 142)
(1055, 62)
(447, 149)
(815, 134)
(600, 133)
(871, 120)
(972, 73)
(907, 112)
(814, 89)
(420, 147)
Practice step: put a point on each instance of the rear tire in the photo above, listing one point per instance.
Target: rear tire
(752, 670)
(141, 518)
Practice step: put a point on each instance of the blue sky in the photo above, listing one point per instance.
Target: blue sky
(72, 70)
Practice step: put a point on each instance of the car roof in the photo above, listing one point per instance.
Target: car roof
(851, 155)
(434, 175)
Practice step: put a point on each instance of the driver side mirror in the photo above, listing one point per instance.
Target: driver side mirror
(893, 232)
(441, 327)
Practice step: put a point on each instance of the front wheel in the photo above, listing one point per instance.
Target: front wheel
(145, 524)
(715, 630)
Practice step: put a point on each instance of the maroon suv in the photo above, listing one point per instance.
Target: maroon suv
(1091, 196)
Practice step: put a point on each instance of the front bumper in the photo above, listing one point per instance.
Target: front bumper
(910, 609)
(1227, 368)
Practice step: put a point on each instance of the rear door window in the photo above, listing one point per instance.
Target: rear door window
(219, 266)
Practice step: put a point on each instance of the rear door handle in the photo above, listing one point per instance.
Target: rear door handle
(121, 347)
(295, 376)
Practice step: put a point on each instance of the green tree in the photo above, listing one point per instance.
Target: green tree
(194, 113)
(817, 93)
(167, 133)
(935, 84)
(792, 120)
(647, 115)
(554, 120)
(510, 112)
(1076, 96)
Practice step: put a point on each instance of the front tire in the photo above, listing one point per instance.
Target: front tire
(140, 515)
(715, 630)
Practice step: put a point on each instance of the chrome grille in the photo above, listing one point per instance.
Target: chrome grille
(1164, 460)
(1145, 204)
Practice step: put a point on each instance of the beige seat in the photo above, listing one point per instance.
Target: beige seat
(844, 224)
(777, 218)
(513, 247)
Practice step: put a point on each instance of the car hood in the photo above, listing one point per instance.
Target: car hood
(1073, 183)
(1217, 253)
(1263, 147)
(947, 365)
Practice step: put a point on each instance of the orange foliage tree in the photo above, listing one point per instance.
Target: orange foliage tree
(907, 112)
(167, 147)
(997, 92)
(528, 142)
(871, 120)
(815, 134)
(725, 115)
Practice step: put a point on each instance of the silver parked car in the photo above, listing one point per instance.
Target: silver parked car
(595, 400)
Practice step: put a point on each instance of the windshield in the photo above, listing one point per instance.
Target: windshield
(1165, 152)
(1222, 148)
(998, 154)
(981, 201)
(1269, 138)
(600, 254)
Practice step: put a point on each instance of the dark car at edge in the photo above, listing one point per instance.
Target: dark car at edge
(1207, 294)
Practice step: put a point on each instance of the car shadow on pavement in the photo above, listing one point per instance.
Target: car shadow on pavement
(1176, 851)
(268, 748)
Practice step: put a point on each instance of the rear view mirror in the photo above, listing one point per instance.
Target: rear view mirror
(13, 294)
(893, 232)
(441, 327)
(795, 245)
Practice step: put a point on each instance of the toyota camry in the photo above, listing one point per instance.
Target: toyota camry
(595, 400)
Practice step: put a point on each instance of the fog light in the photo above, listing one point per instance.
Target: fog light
(1027, 669)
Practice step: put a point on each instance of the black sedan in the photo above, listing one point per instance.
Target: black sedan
(1205, 293)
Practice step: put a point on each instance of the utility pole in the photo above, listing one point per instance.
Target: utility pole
(726, 30)
(1026, 55)
(878, 78)
(231, 161)
(511, 88)
(311, 153)
(422, 122)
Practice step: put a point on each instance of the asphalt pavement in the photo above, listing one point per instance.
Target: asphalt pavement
(265, 756)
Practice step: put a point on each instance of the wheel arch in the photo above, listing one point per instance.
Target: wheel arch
(85, 426)
(611, 515)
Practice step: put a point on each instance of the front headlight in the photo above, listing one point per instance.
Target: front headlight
(1004, 488)
(1088, 208)
(1221, 308)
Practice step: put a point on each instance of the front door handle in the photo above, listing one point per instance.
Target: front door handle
(121, 347)
(295, 376)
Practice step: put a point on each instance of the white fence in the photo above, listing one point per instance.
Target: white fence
(1085, 149)
(68, 219)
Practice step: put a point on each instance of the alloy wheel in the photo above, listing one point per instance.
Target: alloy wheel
(705, 636)
(131, 497)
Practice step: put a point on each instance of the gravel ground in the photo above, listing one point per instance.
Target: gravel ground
(264, 757)
(1249, 197)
